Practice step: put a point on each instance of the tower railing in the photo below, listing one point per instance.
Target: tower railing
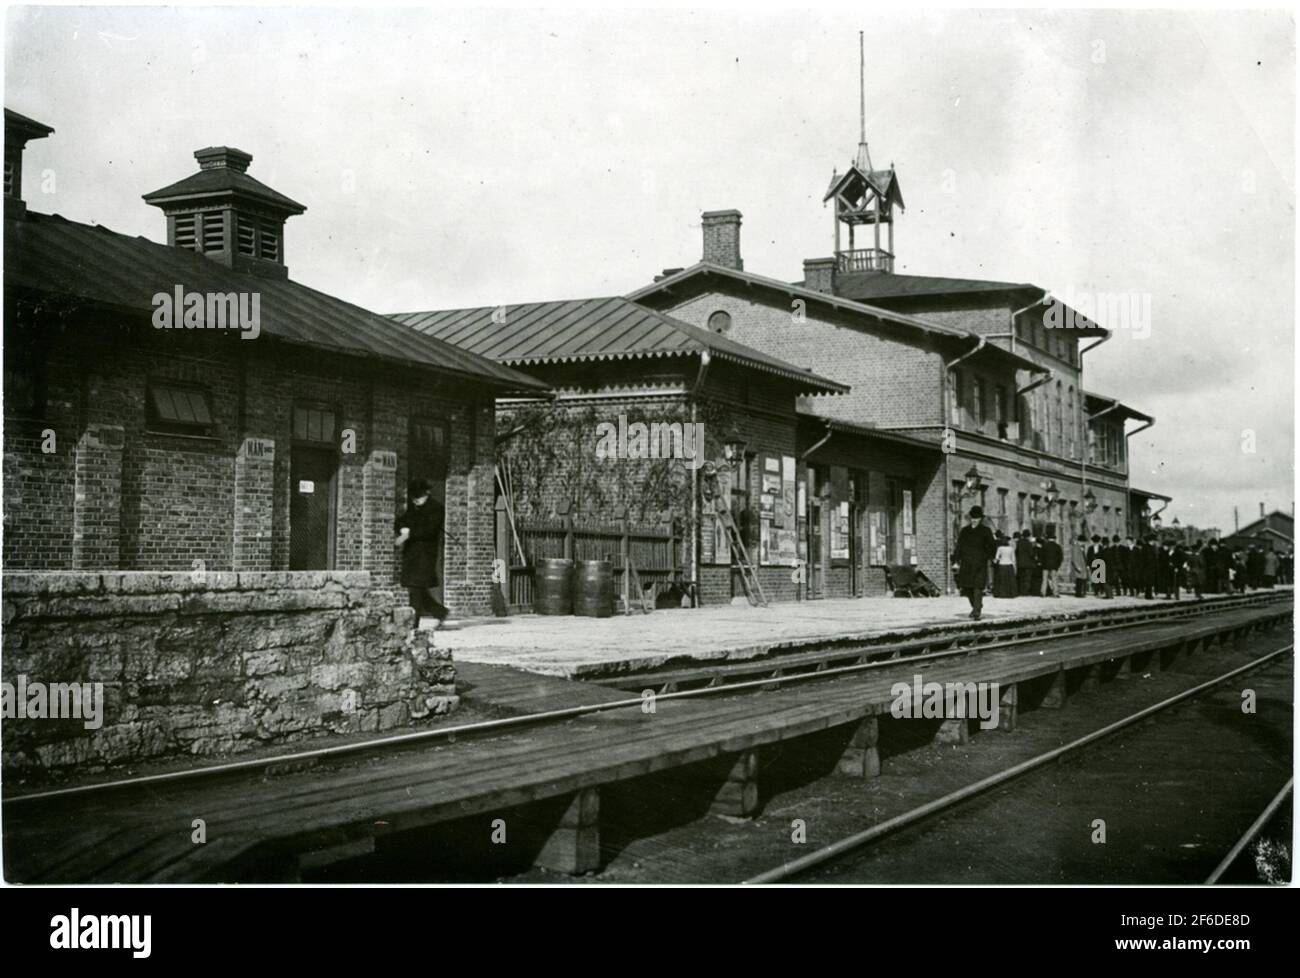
(864, 260)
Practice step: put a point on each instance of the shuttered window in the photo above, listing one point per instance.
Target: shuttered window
(214, 231)
(185, 232)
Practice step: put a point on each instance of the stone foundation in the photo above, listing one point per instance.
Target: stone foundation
(212, 663)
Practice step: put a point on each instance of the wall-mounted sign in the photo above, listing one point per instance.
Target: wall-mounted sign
(306, 487)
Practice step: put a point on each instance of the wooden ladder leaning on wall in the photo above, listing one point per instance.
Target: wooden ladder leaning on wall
(748, 575)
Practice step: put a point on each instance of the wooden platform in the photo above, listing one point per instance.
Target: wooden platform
(273, 829)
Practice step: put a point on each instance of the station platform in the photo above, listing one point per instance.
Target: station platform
(282, 827)
(596, 648)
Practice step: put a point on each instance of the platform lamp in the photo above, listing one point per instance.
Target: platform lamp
(1051, 493)
(974, 480)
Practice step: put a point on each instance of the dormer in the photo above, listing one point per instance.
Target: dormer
(226, 215)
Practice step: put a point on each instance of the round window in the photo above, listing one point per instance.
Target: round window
(720, 321)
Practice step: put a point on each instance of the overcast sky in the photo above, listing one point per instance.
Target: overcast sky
(475, 158)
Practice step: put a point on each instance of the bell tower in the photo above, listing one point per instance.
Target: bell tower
(864, 197)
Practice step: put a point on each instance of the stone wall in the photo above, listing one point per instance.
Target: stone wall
(213, 663)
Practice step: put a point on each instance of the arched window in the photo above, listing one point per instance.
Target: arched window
(720, 321)
(1071, 423)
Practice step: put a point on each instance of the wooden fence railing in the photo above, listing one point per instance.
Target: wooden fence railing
(654, 548)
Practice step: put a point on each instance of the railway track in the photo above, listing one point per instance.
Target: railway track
(1252, 833)
(773, 673)
(858, 842)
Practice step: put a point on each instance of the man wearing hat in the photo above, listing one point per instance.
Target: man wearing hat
(970, 561)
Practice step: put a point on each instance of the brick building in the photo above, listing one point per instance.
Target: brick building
(273, 428)
(988, 373)
(613, 361)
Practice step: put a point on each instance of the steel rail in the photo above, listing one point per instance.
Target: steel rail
(859, 839)
(1251, 832)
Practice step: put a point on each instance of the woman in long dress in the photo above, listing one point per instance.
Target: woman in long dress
(1004, 569)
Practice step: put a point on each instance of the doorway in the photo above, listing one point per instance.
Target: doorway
(312, 481)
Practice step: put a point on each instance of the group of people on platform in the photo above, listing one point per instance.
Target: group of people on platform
(1026, 564)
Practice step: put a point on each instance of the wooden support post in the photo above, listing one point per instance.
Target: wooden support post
(1090, 678)
(1055, 698)
(574, 846)
(954, 731)
(1007, 708)
(861, 758)
(738, 795)
(565, 509)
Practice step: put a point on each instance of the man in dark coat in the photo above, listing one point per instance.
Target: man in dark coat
(419, 530)
(975, 548)
(1095, 570)
(1146, 564)
(1050, 555)
(1026, 563)
(1255, 567)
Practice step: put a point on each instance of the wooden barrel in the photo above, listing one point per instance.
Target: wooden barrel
(553, 586)
(593, 589)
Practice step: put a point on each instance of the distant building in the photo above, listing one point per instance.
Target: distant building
(1274, 531)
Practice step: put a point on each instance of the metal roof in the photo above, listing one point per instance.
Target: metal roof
(1146, 493)
(891, 285)
(82, 262)
(864, 430)
(222, 180)
(1123, 410)
(800, 292)
(25, 126)
(607, 328)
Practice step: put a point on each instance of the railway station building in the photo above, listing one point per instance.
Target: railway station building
(244, 421)
(975, 369)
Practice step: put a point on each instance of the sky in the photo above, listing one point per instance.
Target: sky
(476, 157)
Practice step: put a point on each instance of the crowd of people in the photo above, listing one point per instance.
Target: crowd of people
(1029, 564)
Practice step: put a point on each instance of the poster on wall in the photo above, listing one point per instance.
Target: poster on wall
(907, 515)
(765, 543)
(787, 552)
(840, 533)
(771, 499)
(879, 540)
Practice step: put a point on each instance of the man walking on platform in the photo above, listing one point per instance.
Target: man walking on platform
(1026, 558)
(1050, 555)
(1079, 565)
(975, 548)
(1146, 564)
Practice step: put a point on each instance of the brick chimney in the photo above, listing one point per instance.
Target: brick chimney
(226, 215)
(819, 275)
(722, 239)
(18, 130)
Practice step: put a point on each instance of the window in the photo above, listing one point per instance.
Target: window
(720, 321)
(247, 243)
(184, 231)
(314, 423)
(958, 394)
(978, 391)
(427, 451)
(179, 410)
(1071, 424)
(270, 241)
(214, 231)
